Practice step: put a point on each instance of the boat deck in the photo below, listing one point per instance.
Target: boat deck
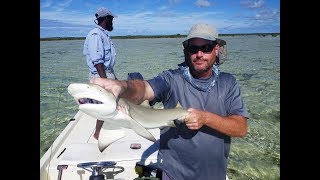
(76, 145)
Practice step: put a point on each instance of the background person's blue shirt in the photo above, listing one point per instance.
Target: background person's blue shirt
(99, 48)
(202, 154)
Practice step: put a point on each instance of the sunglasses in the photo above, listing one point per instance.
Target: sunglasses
(205, 48)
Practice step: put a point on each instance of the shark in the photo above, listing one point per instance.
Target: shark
(119, 113)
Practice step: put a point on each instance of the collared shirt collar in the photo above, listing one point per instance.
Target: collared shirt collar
(103, 30)
(97, 26)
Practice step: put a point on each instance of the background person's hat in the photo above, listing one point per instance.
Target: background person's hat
(103, 12)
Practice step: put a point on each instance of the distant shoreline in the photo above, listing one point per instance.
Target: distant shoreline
(156, 36)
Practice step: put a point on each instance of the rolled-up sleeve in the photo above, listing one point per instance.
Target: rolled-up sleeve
(161, 86)
(95, 48)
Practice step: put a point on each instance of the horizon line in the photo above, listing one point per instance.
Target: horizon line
(157, 36)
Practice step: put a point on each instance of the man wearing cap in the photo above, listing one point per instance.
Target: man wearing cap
(197, 148)
(99, 51)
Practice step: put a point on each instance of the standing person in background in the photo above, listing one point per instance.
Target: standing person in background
(197, 148)
(100, 52)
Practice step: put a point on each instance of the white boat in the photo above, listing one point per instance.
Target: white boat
(75, 155)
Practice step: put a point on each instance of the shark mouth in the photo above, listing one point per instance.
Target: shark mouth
(89, 101)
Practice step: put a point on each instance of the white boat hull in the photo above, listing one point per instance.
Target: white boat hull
(76, 145)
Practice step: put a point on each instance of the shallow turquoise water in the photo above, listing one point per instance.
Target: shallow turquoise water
(253, 60)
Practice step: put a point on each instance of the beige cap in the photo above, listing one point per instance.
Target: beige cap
(203, 31)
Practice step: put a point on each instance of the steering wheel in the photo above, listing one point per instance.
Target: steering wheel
(96, 168)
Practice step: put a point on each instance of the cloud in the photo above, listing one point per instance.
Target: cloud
(163, 7)
(202, 3)
(60, 6)
(71, 17)
(252, 4)
(56, 28)
(45, 4)
(268, 15)
(48, 23)
(173, 2)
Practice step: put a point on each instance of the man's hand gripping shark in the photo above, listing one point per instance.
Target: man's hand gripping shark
(121, 114)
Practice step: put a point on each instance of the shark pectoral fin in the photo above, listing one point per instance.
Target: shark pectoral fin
(107, 136)
(140, 130)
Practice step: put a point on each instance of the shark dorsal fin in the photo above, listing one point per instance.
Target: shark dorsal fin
(178, 105)
(146, 104)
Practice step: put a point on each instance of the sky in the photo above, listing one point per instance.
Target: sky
(75, 18)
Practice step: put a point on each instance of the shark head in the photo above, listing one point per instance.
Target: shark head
(101, 104)
(94, 100)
